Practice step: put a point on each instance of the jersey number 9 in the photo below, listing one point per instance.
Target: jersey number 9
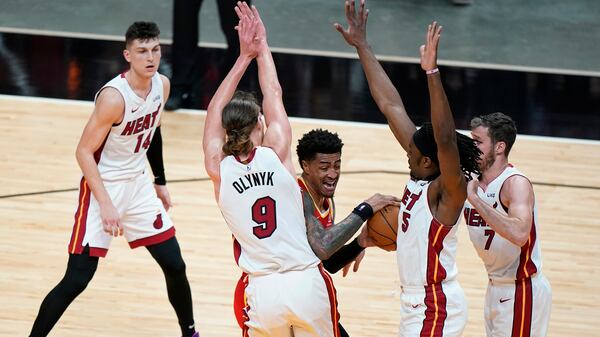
(264, 214)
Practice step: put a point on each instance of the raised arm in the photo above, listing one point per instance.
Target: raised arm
(214, 134)
(452, 180)
(108, 110)
(384, 93)
(517, 195)
(326, 241)
(278, 134)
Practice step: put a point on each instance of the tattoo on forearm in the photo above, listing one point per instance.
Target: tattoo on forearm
(326, 241)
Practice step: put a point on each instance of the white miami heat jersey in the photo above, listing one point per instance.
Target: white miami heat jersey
(262, 205)
(122, 156)
(426, 250)
(503, 260)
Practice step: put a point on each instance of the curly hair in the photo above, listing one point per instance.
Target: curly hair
(317, 141)
(239, 118)
(141, 30)
(501, 128)
(467, 150)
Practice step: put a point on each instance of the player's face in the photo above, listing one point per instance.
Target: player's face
(322, 173)
(414, 158)
(143, 56)
(483, 141)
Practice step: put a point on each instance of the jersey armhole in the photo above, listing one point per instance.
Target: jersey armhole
(501, 187)
(124, 103)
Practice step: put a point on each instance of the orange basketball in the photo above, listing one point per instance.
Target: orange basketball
(383, 227)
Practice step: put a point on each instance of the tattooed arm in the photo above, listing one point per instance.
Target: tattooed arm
(326, 241)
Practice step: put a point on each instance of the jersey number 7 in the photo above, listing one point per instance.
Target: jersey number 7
(264, 214)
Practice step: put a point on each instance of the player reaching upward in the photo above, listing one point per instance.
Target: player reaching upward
(440, 161)
(248, 158)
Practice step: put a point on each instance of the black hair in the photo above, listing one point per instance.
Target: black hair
(142, 30)
(239, 118)
(501, 128)
(467, 150)
(317, 141)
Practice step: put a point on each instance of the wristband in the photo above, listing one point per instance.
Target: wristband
(432, 71)
(363, 210)
(160, 180)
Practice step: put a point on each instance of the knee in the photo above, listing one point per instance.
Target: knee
(75, 283)
(174, 267)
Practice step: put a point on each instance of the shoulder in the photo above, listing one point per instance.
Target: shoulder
(110, 97)
(165, 81)
(516, 188)
(516, 183)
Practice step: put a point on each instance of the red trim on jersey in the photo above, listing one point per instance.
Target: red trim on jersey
(526, 265)
(523, 308)
(325, 219)
(437, 233)
(79, 226)
(98, 153)
(237, 250)
(249, 159)
(240, 305)
(335, 315)
(154, 239)
(98, 252)
(124, 73)
(435, 312)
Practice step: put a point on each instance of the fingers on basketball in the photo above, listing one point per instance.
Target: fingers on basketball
(382, 227)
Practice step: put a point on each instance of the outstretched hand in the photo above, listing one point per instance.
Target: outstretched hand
(429, 49)
(379, 201)
(251, 30)
(356, 33)
(356, 262)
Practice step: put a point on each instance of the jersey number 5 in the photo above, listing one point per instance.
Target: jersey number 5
(264, 214)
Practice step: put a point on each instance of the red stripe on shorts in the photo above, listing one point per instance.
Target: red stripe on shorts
(75, 244)
(523, 308)
(335, 315)
(435, 312)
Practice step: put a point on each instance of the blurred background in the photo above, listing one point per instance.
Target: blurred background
(536, 60)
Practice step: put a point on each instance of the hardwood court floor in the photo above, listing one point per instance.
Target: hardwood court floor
(127, 296)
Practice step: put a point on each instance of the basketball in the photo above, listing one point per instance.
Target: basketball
(383, 227)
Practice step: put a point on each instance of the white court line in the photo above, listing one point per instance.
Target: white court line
(324, 53)
(90, 104)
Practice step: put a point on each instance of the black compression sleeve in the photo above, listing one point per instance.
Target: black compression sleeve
(155, 158)
(342, 257)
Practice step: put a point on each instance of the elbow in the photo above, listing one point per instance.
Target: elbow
(275, 89)
(521, 239)
(79, 154)
(323, 255)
